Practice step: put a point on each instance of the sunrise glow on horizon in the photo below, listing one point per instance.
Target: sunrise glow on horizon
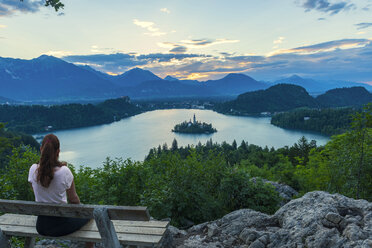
(198, 39)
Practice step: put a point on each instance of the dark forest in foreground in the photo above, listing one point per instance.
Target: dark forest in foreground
(202, 183)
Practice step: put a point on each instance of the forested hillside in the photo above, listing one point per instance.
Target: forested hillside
(197, 184)
(325, 121)
(354, 96)
(280, 97)
(39, 118)
(284, 97)
(9, 140)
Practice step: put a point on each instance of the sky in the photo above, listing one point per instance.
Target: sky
(198, 39)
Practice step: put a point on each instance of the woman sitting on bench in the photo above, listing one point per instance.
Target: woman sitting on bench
(53, 182)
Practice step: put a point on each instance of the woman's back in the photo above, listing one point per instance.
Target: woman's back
(56, 191)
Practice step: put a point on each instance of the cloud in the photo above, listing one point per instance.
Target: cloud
(278, 41)
(326, 7)
(58, 53)
(367, 7)
(178, 49)
(165, 10)
(9, 7)
(107, 50)
(363, 25)
(184, 45)
(201, 43)
(150, 26)
(340, 59)
(120, 62)
(325, 46)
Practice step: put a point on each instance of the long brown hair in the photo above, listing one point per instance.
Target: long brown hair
(48, 160)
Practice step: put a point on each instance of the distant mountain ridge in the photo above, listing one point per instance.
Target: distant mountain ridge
(134, 77)
(6, 100)
(48, 78)
(51, 78)
(234, 84)
(284, 97)
(319, 86)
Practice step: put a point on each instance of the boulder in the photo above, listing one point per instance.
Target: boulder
(285, 192)
(318, 219)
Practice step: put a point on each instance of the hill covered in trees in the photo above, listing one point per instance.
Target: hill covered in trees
(354, 96)
(39, 118)
(325, 121)
(9, 140)
(284, 97)
(280, 97)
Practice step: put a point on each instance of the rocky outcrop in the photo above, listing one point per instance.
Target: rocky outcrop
(285, 192)
(316, 220)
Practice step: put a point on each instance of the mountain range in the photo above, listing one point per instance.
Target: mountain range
(316, 87)
(49, 78)
(284, 97)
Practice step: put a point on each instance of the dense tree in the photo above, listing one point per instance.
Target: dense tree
(37, 118)
(174, 145)
(325, 121)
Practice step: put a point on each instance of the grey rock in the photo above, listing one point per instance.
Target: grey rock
(212, 229)
(248, 235)
(354, 233)
(264, 239)
(367, 243)
(229, 242)
(171, 234)
(197, 228)
(257, 244)
(318, 219)
(285, 191)
(334, 218)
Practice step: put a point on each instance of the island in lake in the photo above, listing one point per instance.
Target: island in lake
(194, 127)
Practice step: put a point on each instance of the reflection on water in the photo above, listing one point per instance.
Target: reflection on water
(133, 137)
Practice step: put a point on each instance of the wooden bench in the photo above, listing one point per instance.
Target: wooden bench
(111, 225)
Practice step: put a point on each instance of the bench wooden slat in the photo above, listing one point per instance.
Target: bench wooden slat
(151, 223)
(72, 210)
(16, 218)
(129, 239)
(30, 221)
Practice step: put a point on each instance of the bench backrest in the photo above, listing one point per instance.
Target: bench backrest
(73, 210)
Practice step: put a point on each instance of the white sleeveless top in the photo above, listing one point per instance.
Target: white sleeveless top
(56, 192)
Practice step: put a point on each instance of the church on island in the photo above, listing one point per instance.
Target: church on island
(194, 127)
(193, 122)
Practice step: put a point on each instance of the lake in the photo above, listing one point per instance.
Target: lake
(135, 136)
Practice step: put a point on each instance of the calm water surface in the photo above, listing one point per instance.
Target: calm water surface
(133, 137)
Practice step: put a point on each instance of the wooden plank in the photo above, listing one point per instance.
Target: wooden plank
(29, 220)
(106, 228)
(151, 223)
(29, 242)
(72, 210)
(4, 240)
(86, 236)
